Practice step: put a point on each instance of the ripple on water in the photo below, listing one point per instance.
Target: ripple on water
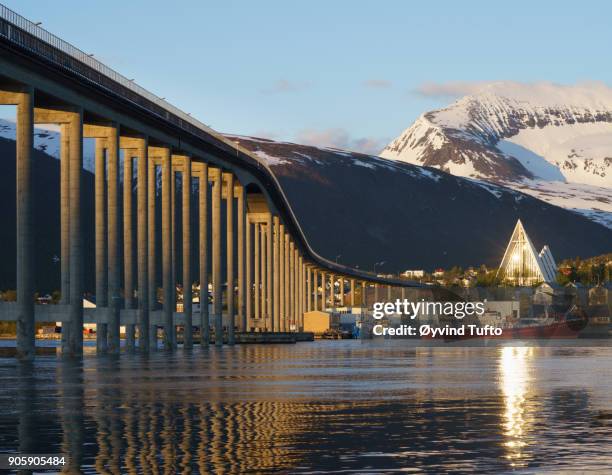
(322, 406)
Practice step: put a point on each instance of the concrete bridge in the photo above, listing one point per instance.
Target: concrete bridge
(274, 275)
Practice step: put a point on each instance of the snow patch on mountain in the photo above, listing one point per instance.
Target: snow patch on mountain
(361, 163)
(279, 154)
(270, 160)
(497, 190)
(431, 174)
(576, 153)
(591, 201)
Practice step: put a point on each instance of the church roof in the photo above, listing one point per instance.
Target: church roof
(522, 264)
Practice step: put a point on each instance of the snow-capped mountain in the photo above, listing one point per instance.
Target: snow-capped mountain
(551, 141)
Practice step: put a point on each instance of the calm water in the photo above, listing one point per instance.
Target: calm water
(329, 406)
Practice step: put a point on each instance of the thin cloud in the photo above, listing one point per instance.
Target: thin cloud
(268, 134)
(340, 138)
(285, 86)
(564, 92)
(378, 83)
(450, 89)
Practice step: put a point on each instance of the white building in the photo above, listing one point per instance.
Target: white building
(522, 265)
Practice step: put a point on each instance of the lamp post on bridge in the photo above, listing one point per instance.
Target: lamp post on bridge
(379, 264)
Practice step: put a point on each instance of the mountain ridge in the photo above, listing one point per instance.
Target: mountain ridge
(529, 137)
(370, 209)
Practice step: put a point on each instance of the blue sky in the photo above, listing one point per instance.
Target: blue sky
(351, 74)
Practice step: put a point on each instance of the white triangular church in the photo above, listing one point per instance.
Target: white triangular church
(522, 265)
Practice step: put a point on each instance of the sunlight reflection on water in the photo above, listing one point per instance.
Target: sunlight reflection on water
(323, 406)
(515, 379)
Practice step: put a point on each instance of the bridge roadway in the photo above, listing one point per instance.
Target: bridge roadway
(276, 274)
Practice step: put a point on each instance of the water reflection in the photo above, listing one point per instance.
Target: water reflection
(27, 419)
(316, 407)
(163, 437)
(70, 405)
(515, 382)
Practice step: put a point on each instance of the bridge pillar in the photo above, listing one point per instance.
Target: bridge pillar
(65, 226)
(187, 276)
(240, 230)
(276, 274)
(264, 280)
(341, 282)
(352, 293)
(363, 293)
(302, 287)
(128, 258)
(203, 228)
(287, 279)
(231, 321)
(292, 283)
(25, 244)
(388, 293)
(375, 292)
(296, 288)
(292, 298)
(308, 288)
(174, 240)
(75, 344)
(113, 239)
(307, 296)
(257, 269)
(315, 289)
(142, 192)
(151, 245)
(323, 285)
(281, 277)
(304, 293)
(300, 323)
(167, 235)
(101, 242)
(269, 283)
(302, 290)
(249, 274)
(332, 292)
(216, 258)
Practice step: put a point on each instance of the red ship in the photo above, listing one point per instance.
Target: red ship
(550, 325)
(547, 328)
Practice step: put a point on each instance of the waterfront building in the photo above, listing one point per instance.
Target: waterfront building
(522, 265)
(601, 294)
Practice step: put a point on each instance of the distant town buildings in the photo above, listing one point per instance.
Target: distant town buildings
(522, 265)
(413, 274)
